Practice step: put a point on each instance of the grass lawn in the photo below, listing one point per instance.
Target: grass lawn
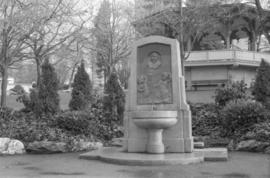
(64, 100)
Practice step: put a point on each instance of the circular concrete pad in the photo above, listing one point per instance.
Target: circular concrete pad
(115, 155)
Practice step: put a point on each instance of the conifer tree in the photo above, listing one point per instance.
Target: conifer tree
(48, 89)
(114, 100)
(82, 90)
(101, 32)
(261, 88)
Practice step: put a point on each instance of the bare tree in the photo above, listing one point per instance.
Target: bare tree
(52, 27)
(113, 33)
(185, 24)
(71, 55)
(13, 32)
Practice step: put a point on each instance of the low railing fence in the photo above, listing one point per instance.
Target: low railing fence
(228, 54)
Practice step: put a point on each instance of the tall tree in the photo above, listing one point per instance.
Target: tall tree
(113, 33)
(225, 16)
(13, 31)
(185, 24)
(69, 59)
(53, 26)
(253, 27)
(102, 28)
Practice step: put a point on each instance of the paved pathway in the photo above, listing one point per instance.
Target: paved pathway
(240, 165)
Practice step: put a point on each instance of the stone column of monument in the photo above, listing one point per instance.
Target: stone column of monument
(157, 117)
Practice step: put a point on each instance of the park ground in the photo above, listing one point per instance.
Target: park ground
(240, 165)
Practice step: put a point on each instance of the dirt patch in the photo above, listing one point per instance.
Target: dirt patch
(235, 175)
(63, 173)
(21, 164)
(154, 173)
(32, 168)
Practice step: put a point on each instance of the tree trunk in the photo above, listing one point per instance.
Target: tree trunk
(252, 45)
(189, 45)
(260, 12)
(38, 65)
(104, 78)
(258, 43)
(4, 86)
(228, 41)
(253, 41)
(72, 74)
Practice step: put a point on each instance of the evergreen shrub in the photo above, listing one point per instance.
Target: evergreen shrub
(259, 132)
(48, 97)
(232, 91)
(75, 122)
(34, 103)
(261, 87)
(239, 115)
(27, 128)
(205, 119)
(82, 90)
(6, 115)
(18, 90)
(90, 122)
(22, 97)
(114, 100)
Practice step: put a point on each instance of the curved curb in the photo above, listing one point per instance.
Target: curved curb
(116, 156)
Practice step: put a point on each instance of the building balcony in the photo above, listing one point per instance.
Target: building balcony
(205, 71)
(225, 57)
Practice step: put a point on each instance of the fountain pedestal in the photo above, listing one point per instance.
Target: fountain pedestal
(154, 142)
(154, 122)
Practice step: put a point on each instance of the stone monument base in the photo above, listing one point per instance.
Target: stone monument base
(116, 155)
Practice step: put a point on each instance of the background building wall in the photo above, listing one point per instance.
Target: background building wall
(243, 73)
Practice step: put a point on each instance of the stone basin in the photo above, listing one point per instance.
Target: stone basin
(154, 114)
(155, 119)
(154, 122)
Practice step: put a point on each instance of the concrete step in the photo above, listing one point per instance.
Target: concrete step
(199, 145)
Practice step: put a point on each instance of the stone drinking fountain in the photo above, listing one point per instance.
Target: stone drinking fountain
(157, 120)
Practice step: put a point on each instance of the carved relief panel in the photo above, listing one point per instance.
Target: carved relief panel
(154, 74)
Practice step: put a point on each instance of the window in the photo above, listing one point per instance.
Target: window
(207, 84)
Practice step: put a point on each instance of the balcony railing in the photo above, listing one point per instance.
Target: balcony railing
(227, 55)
